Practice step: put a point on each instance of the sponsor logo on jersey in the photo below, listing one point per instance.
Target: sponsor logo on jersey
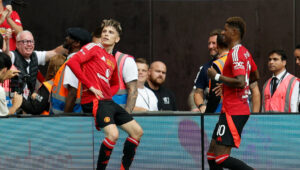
(238, 65)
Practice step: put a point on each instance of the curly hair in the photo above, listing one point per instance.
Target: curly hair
(239, 23)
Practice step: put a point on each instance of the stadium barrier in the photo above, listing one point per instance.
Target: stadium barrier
(171, 141)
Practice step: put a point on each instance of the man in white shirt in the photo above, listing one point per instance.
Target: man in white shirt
(281, 91)
(146, 99)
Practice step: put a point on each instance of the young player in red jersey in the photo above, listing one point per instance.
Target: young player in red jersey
(97, 70)
(239, 70)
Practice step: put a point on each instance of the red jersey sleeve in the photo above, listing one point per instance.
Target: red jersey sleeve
(238, 62)
(82, 56)
(16, 18)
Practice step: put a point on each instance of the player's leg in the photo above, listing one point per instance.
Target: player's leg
(228, 136)
(134, 131)
(104, 113)
(211, 157)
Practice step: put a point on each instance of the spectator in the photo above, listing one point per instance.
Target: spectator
(27, 60)
(297, 54)
(10, 20)
(38, 103)
(5, 64)
(281, 91)
(146, 100)
(128, 75)
(202, 81)
(156, 78)
(214, 102)
(65, 97)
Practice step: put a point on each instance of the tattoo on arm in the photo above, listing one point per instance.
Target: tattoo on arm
(132, 95)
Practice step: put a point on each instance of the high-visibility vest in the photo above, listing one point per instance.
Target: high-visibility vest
(48, 84)
(121, 96)
(220, 64)
(59, 94)
(280, 101)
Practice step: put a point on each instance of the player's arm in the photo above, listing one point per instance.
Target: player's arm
(236, 82)
(132, 95)
(256, 100)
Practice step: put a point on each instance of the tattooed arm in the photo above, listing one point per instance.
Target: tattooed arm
(132, 95)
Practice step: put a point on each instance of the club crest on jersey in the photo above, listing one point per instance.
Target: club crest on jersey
(238, 65)
(107, 119)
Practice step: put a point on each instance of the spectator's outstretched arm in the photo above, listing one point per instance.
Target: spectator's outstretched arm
(199, 99)
(58, 50)
(132, 95)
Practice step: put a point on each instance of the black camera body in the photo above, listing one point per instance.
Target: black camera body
(18, 83)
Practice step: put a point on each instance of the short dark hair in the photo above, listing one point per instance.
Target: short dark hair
(215, 32)
(221, 42)
(141, 60)
(239, 23)
(5, 61)
(108, 22)
(298, 46)
(279, 52)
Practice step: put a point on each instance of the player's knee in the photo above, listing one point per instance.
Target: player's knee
(138, 133)
(113, 136)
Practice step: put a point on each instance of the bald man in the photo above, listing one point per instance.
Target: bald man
(156, 77)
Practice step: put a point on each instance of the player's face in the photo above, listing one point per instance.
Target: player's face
(276, 64)
(109, 36)
(143, 72)
(297, 56)
(212, 45)
(227, 33)
(157, 74)
(25, 44)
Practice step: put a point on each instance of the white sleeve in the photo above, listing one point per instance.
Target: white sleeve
(3, 105)
(294, 98)
(70, 78)
(41, 57)
(130, 72)
(12, 57)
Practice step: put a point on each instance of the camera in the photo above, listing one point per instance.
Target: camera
(18, 83)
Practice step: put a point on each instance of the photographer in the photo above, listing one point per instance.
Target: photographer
(5, 64)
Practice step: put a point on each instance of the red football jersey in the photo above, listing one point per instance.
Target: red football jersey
(239, 62)
(93, 66)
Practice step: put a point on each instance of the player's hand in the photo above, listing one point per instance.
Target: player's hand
(218, 89)
(211, 72)
(98, 93)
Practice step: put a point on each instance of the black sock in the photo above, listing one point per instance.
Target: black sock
(211, 159)
(130, 146)
(232, 163)
(104, 153)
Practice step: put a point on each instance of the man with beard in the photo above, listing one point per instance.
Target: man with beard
(157, 76)
(65, 95)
